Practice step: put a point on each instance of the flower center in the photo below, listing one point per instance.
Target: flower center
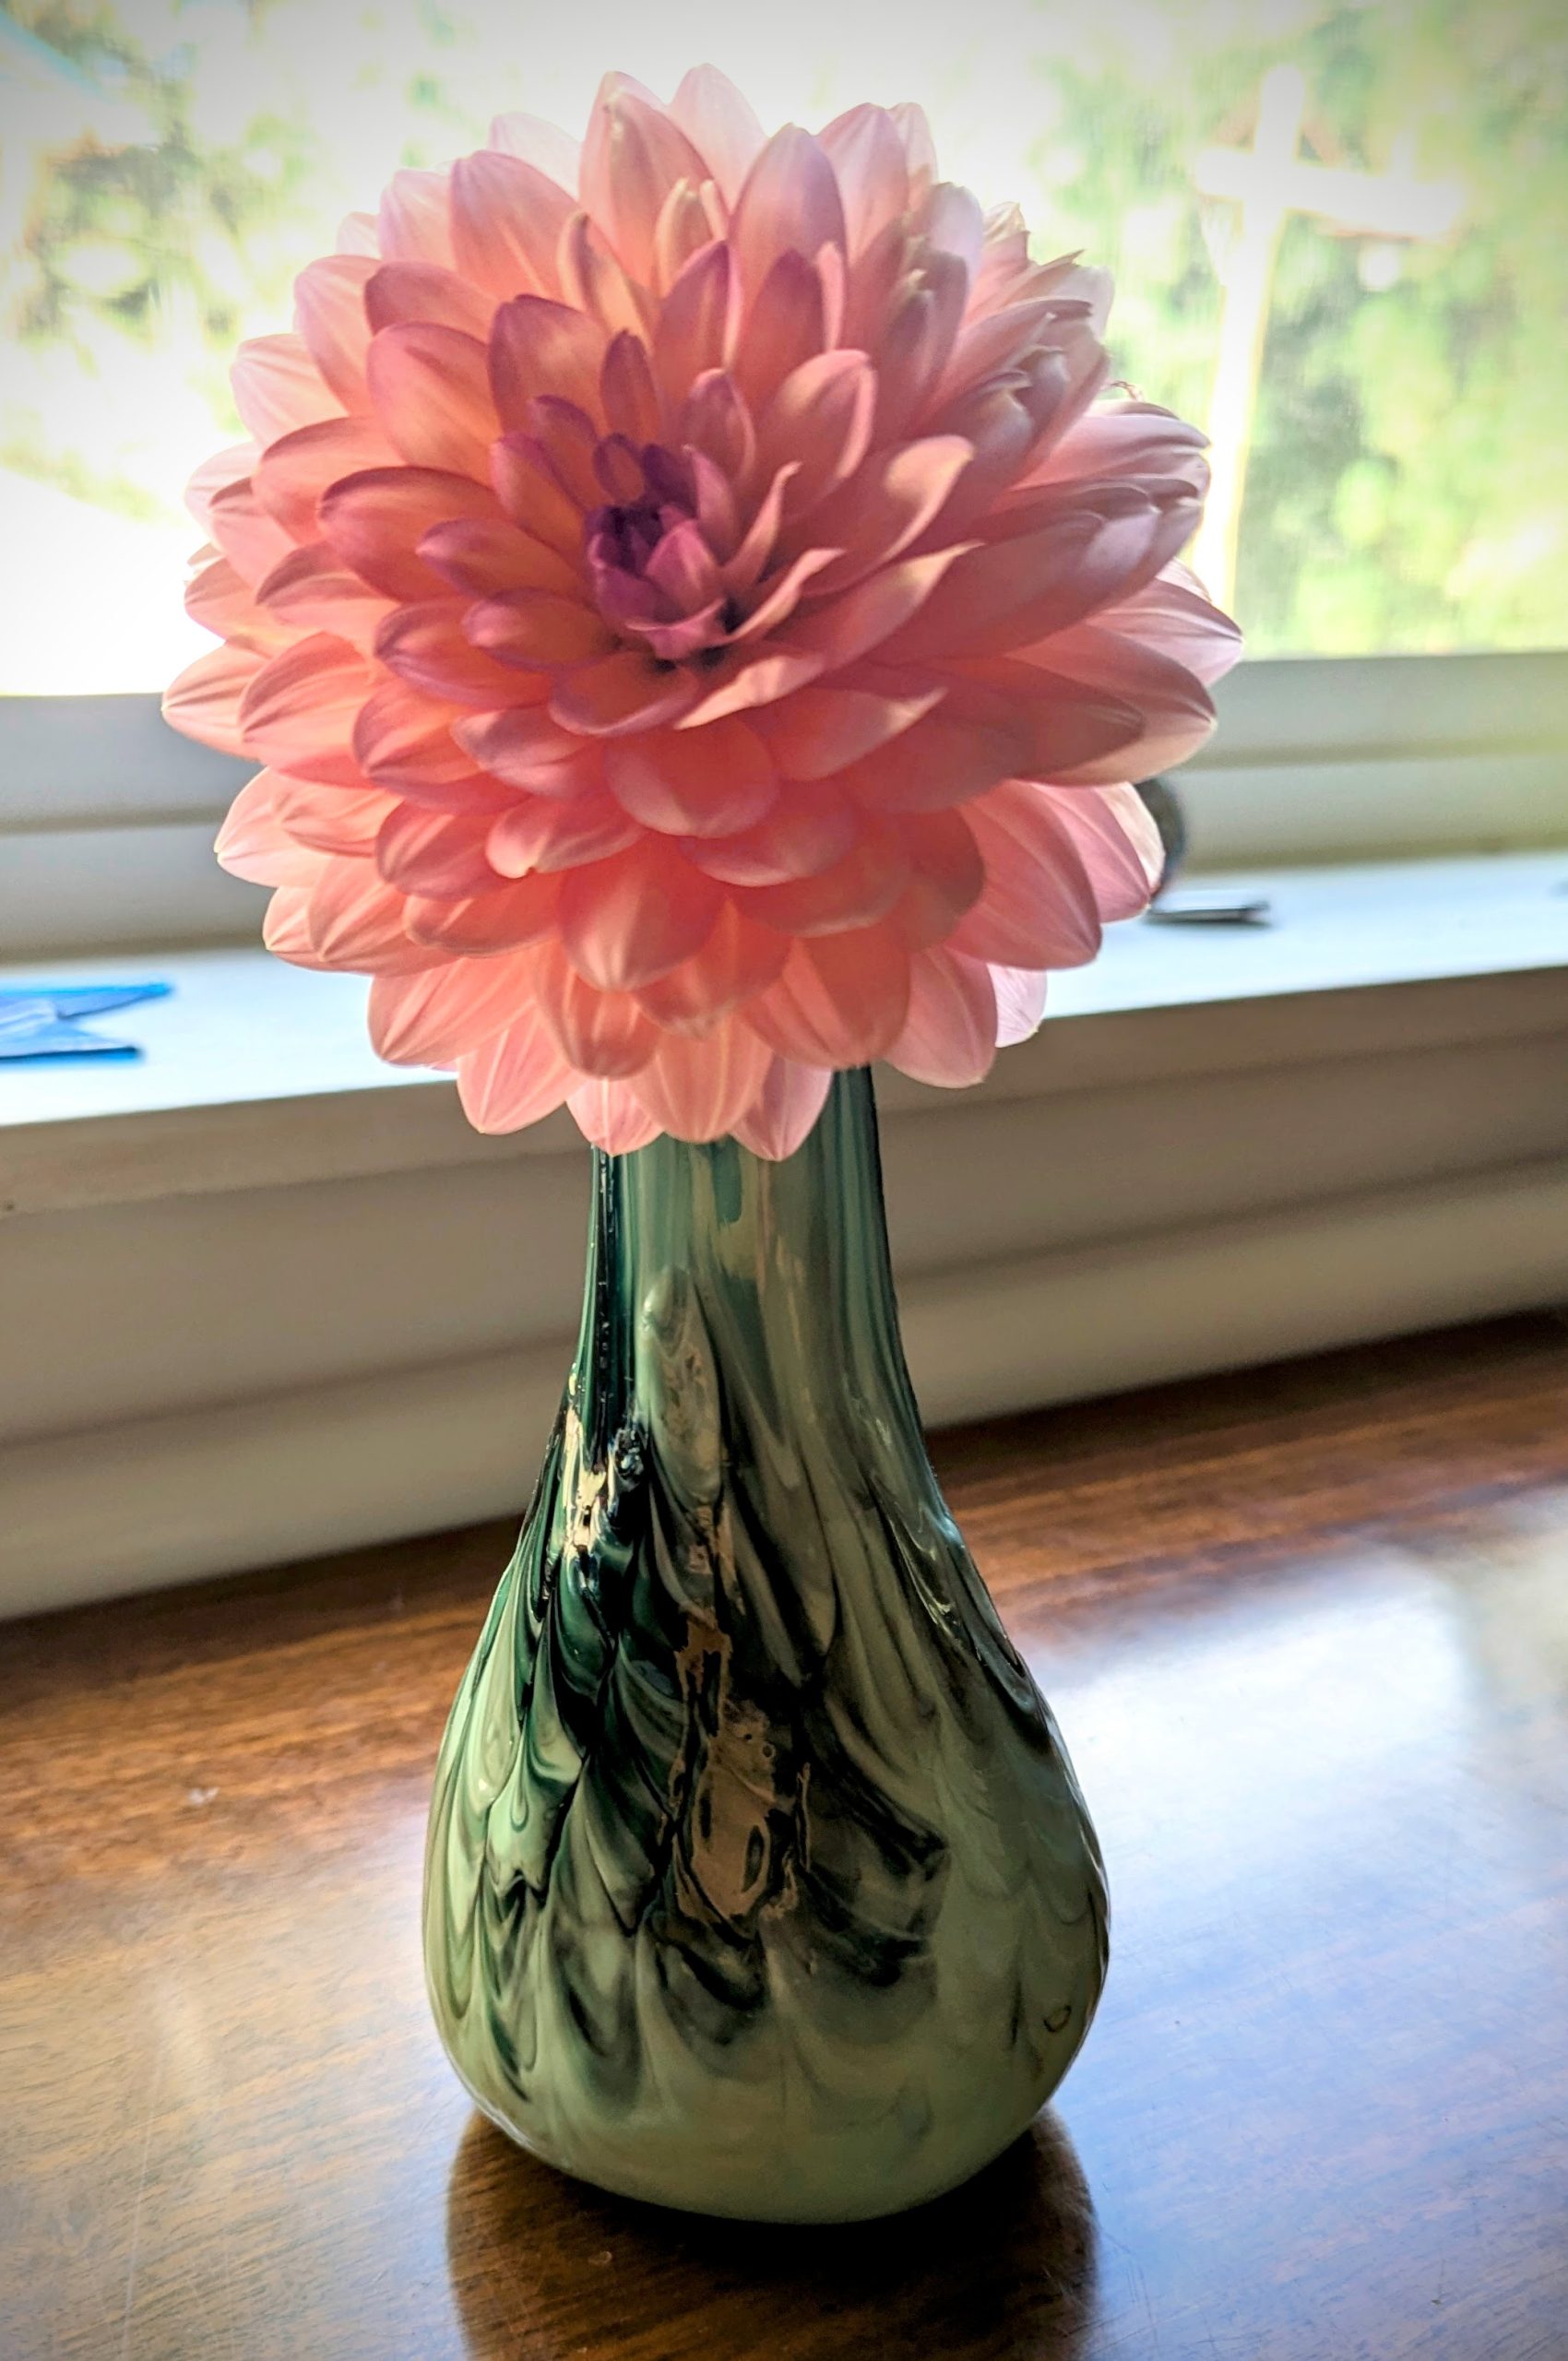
(654, 576)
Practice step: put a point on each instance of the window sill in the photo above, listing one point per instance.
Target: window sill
(269, 1297)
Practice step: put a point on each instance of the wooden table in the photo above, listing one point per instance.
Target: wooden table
(1307, 1630)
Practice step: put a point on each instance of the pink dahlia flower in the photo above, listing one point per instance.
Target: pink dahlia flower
(698, 613)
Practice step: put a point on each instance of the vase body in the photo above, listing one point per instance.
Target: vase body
(757, 1882)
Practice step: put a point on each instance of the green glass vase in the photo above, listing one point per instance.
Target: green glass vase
(757, 1882)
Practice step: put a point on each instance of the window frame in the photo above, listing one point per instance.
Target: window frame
(107, 815)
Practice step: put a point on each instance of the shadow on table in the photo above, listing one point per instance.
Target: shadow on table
(1002, 2270)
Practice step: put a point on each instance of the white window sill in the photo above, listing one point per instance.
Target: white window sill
(266, 1295)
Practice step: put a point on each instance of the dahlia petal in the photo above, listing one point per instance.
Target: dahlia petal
(603, 1034)
(207, 700)
(820, 415)
(430, 386)
(691, 335)
(277, 388)
(514, 1077)
(784, 1110)
(439, 854)
(445, 1013)
(1039, 908)
(329, 313)
(951, 221)
(821, 731)
(807, 832)
(403, 740)
(354, 919)
(749, 684)
(1020, 1002)
(429, 647)
(298, 711)
(716, 422)
(920, 148)
(481, 556)
(609, 1118)
(225, 469)
(949, 1036)
(373, 521)
(537, 630)
(423, 290)
(344, 820)
(989, 346)
(1113, 710)
(632, 918)
(872, 611)
(415, 223)
(507, 218)
(943, 758)
(738, 960)
(947, 877)
(621, 693)
(913, 349)
(531, 492)
(633, 155)
(781, 596)
(753, 553)
(694, 782)
(285, 931)
(788, 203)
(502, 920)
(541, 346)
(1117, 842)
(292, 473)
(840, 1002)
(628, 398)
(253, 542)
(720, 125)
(571, 443)
(855, 892)
(1124, 439)
(1171, 616)
(551, 835)
(253, 842)
(592, 279)
(867, 154)
(888, 504)
(700, 1089)
(520, 744)
(550, 152)
(356, 235)
(222, 601)
(683, 567)
(310, 591)
(786, 326)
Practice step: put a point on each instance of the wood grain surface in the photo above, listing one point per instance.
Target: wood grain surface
(1307, 1631)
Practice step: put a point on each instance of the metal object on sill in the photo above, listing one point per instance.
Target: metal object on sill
(45, 1020)
(1175, 904)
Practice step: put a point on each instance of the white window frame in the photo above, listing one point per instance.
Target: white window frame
(107, 815)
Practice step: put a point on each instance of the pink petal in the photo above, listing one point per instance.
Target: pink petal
(435, 853)
(949, 1036)
(1100, 709)
(514, 1077)
(404, 741)
(788, 203)
(293, 474)
(1118, 844)
(696, 782)
(840, 1002)
(520, 744)
(483, 555)
(1171, 616)
(604, 1034)
(1020, 1002)
(531, 492)
(537, 631)
(807, 832)
(942, 759)
(700, 1089)
(356, 920)
(285, 929)
(691, 333)
(222, 602)
(253, 844)
(720, 125)
(1039, 908)
(948, 877)
(741, 686)
(330, 819)
(552, 152)
(821, 415)
(855, 892)
(716, 422)
(298, 713)
(873, 610)
(279, 388)
(688, 219)
(541, 834)
(253, 542)
(374, 520)
(507, 218)
(737, 961)
(428, 646)
(609, 1118)
(310, 591)
(414, 222)
(329, 313)
(786, 326)
(628, 398)
(890, 503)
(593, 280)
(784, 1110)
(633, 157)
(224, 472)
(423, 290)
(445, 1012)
(431, 390)
(621, 693)
(501, 921)
(867, 154)
(625, 921)
(540, 347)
(819, 730)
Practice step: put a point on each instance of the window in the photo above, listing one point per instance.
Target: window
(1337, 232)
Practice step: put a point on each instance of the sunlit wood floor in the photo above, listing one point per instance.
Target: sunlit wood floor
(1307, 1632)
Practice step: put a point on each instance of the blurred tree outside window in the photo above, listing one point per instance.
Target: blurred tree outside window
(1338, 233)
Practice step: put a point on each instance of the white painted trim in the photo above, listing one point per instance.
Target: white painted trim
(153, 1502)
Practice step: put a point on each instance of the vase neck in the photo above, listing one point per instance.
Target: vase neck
(780, 1267)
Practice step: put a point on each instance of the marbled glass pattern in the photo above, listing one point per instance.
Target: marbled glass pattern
(758, 1881)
